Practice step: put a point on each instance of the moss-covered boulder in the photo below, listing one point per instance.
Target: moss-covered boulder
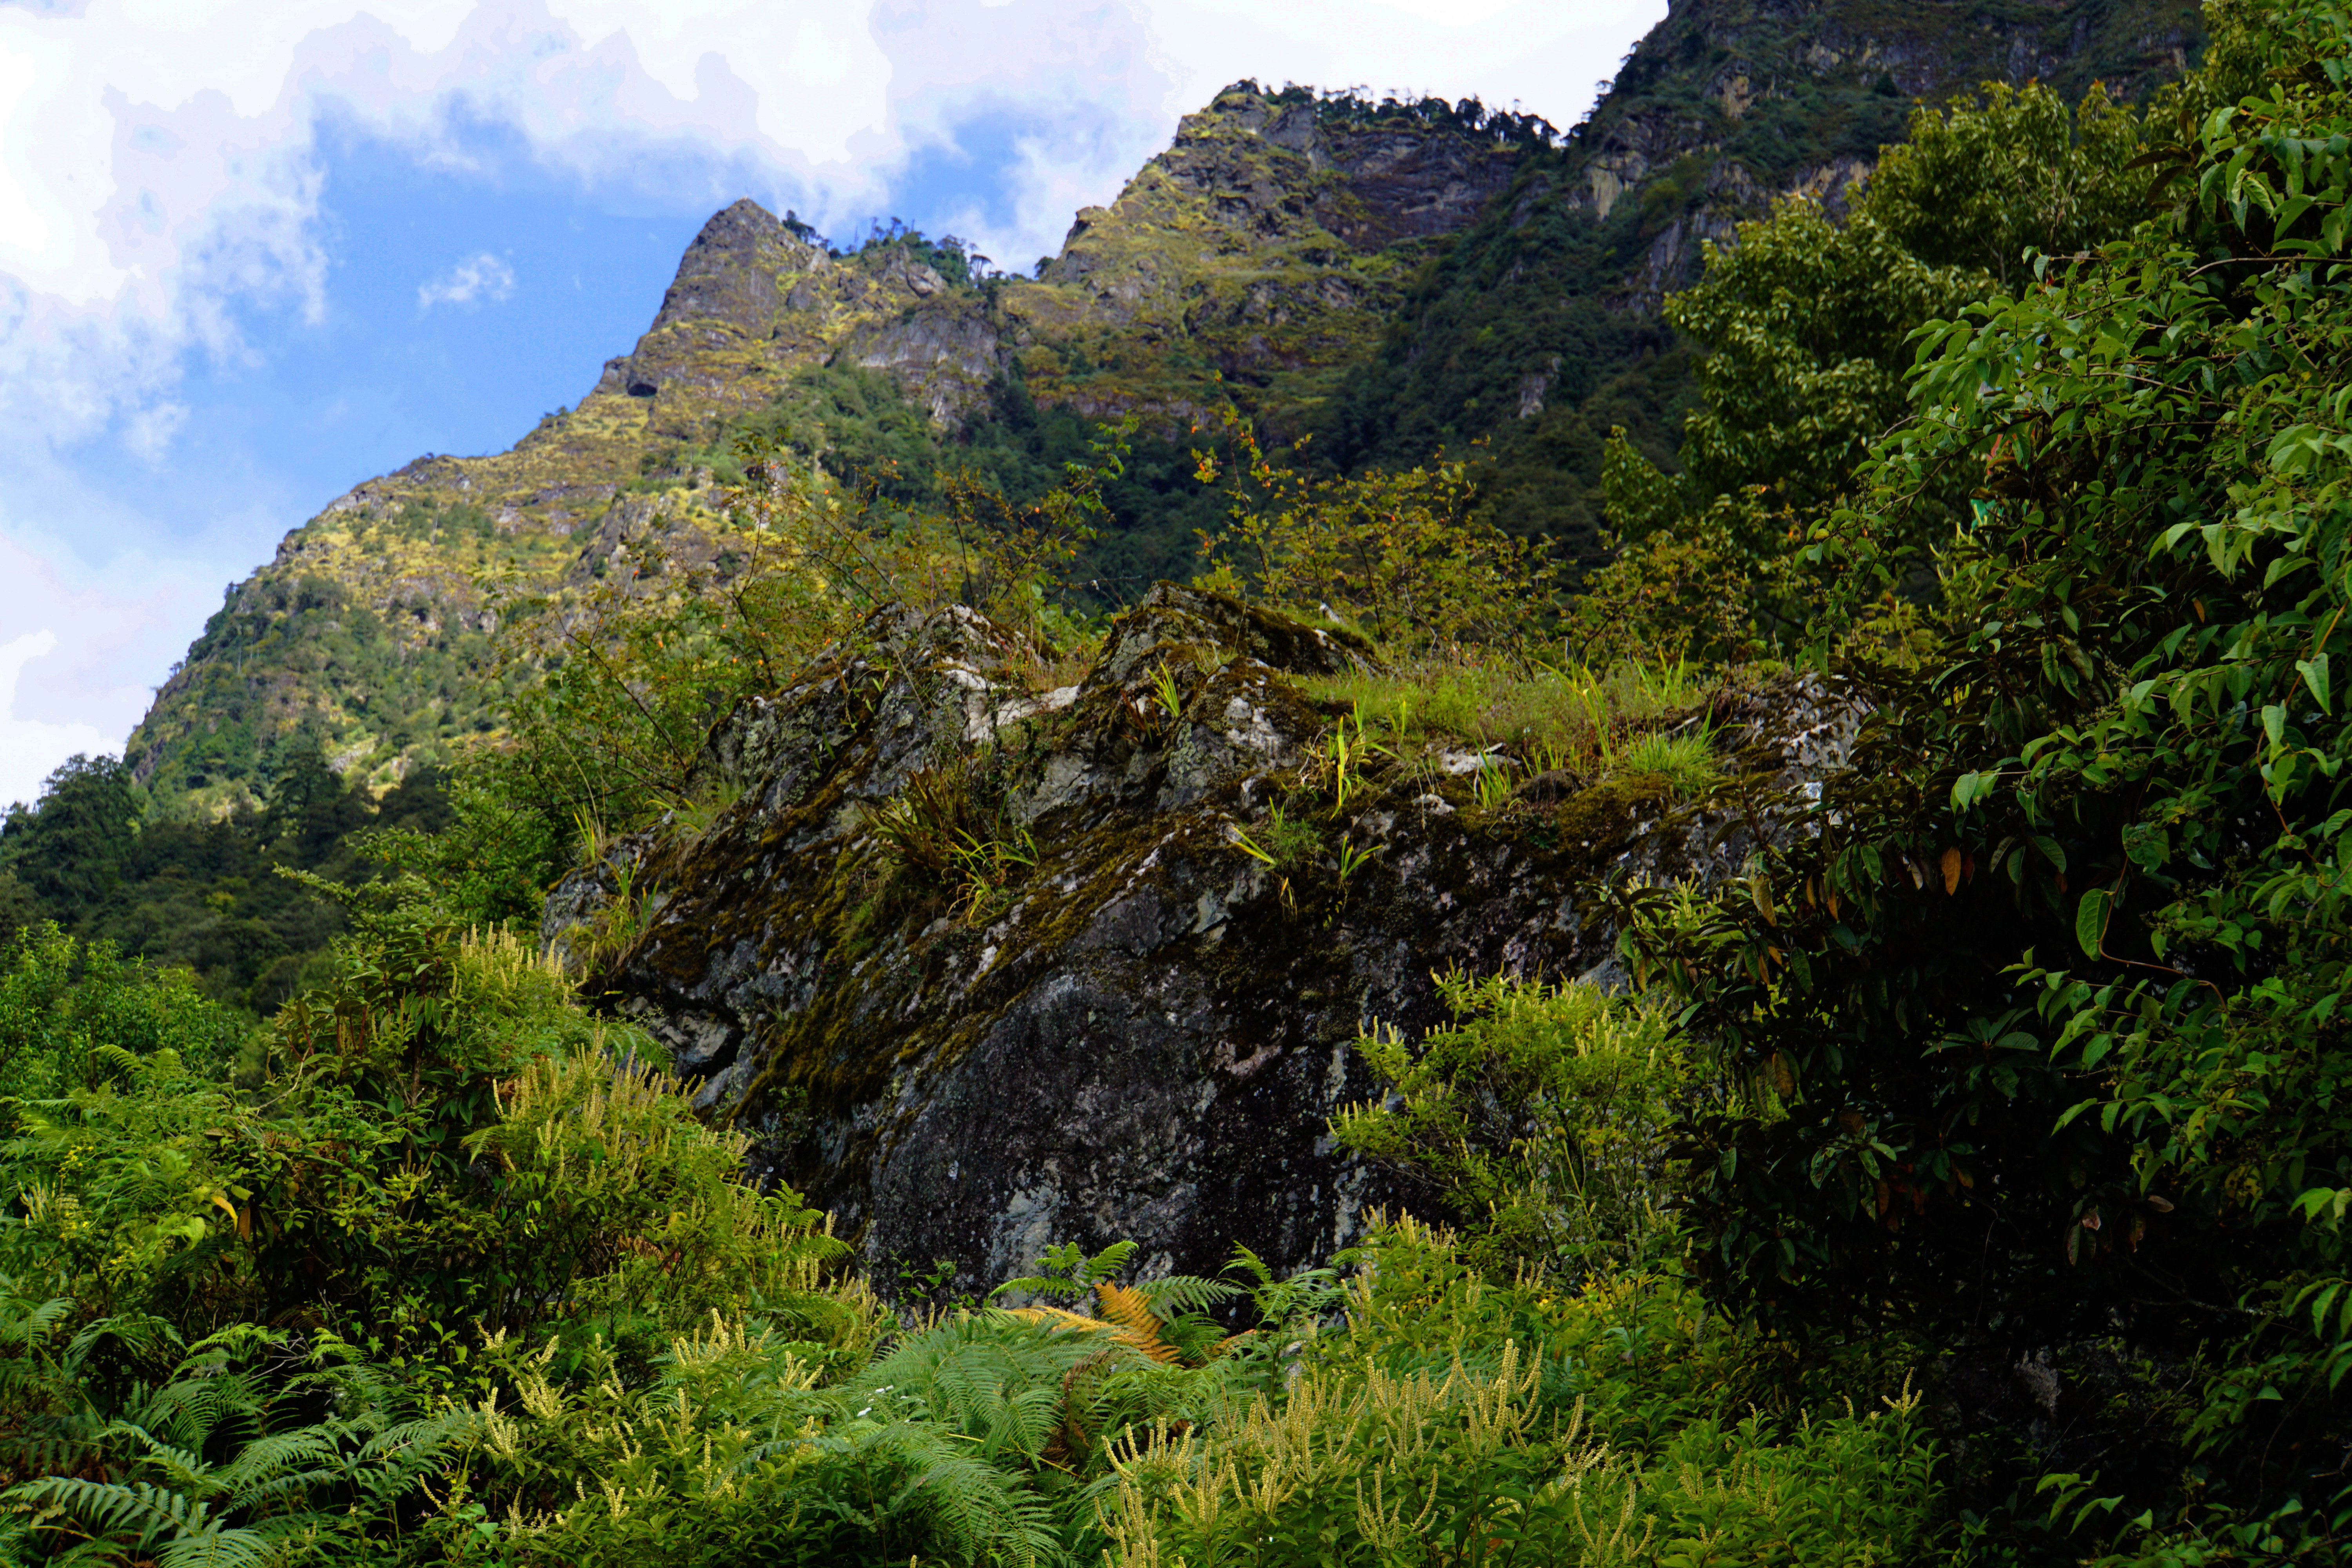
(986, 963)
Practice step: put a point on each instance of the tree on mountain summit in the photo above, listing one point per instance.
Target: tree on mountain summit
(68, 850)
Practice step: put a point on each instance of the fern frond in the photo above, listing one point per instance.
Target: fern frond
(141, 1334)
(1185, 1293)
(1025, 1422)
(1040, 1285)
(137, 1509)
(267, 1459)
(236, 1340)
(196, 1407)
(1107, 1264)
(1129, 1312)
(418, 1441)
(287, 1484)
(31, 1327)
(1307, 1292)
(978, 1513)
(185, 1468)
(216, 1548)
(1055, 1317)
(118, 1066)
(1251, 1264)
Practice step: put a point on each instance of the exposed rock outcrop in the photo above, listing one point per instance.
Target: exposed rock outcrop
(1143, 1033)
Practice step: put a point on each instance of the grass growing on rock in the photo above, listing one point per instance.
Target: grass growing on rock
(1684, 763)
(1578, 719)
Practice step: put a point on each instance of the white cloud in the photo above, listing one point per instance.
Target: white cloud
(29, 750)
(148, 432)
(483, 277)
(1122, 75)
(103, 631)
(1540, 54)
(158, 167)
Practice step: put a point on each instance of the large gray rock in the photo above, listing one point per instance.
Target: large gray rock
(1145, 1034)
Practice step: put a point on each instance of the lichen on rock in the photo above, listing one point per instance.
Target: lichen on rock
(1092, 1013)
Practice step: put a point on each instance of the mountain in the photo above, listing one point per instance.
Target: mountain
(1391, 279)
(1260, 254)
(1536, 329)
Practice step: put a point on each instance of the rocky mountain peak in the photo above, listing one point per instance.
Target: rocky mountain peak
(1295, 166)
(733, 271)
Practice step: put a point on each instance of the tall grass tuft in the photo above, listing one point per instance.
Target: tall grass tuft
(1685, 763)
(1555, 718)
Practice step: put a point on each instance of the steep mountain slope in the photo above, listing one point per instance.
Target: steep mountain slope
(1260, 256)
(1398, 278)
(1265, 246)
(1536, 330)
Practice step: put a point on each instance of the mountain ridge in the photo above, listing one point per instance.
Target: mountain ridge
(1395, 278)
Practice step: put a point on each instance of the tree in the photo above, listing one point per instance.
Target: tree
(69, 849)
(1808, 325)
(2044, 1027)
(310, 806)
(1988, 184)
(1807, 321)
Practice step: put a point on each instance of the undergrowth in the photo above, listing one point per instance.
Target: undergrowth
(459, 1277)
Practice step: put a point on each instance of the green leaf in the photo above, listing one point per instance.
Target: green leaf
(2314, 675)
(2319, 1308)
(2091, 920)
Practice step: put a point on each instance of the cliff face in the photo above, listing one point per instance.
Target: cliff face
(1257, 257)
(1103, 1018)
(1537, 328)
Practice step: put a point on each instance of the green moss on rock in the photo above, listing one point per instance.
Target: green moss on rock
(1146, 1035)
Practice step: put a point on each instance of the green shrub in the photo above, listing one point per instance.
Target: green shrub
(1541, 1115)
(217, 1465)
(985, 1437)
(442, 1157)
(1396, 556)
(70, 1011)
(493, 860)
(618, 1200)
(1456, 1420)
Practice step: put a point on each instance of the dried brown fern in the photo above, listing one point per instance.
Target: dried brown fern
(1124, 1307)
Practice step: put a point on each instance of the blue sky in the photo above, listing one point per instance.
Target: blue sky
(458, 306)
(253, 252)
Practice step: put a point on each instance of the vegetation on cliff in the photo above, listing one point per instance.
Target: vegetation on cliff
(1536, 330)
(435, 1270)
(1956, 1171)
(204, 895)
(1398, 278)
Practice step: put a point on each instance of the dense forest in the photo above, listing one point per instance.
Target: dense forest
(347, 1220)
